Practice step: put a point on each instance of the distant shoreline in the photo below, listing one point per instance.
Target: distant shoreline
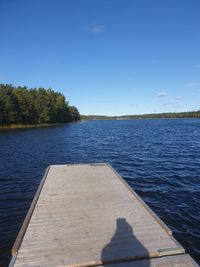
(181, 115)
(85, 118)
(145, 118)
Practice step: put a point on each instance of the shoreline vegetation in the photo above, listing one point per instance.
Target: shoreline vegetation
(22, 107)
(24, 126)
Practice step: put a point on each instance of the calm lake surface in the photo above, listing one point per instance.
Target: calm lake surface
(160, 159)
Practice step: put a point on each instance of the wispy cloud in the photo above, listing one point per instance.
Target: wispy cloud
(133, 105)
(192, 84)
(161, 94)
(167, 104)
(95, 28)
(178, 98)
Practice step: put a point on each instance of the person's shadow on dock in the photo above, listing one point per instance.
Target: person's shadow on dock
(124, 246)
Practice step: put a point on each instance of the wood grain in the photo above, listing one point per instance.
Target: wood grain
(85, 215)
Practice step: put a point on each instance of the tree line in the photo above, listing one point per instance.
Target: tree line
(189, 114)
(21, 105)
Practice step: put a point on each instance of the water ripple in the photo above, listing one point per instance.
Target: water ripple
(158, 158)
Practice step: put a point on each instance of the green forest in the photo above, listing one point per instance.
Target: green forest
(21, 105)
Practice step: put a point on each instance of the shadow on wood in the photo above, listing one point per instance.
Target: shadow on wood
(123, 245)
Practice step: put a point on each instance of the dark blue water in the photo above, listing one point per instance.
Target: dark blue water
(160, 159)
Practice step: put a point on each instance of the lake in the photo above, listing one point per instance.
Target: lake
(159, 158)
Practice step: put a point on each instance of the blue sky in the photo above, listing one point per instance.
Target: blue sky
(109, 57)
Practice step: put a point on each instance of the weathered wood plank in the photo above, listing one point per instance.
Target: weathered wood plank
(28, 216)
(84, 215)
(170, 261)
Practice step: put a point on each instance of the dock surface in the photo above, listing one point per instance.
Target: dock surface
(86, 215)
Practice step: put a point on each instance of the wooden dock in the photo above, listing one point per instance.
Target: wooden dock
(86, 215)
